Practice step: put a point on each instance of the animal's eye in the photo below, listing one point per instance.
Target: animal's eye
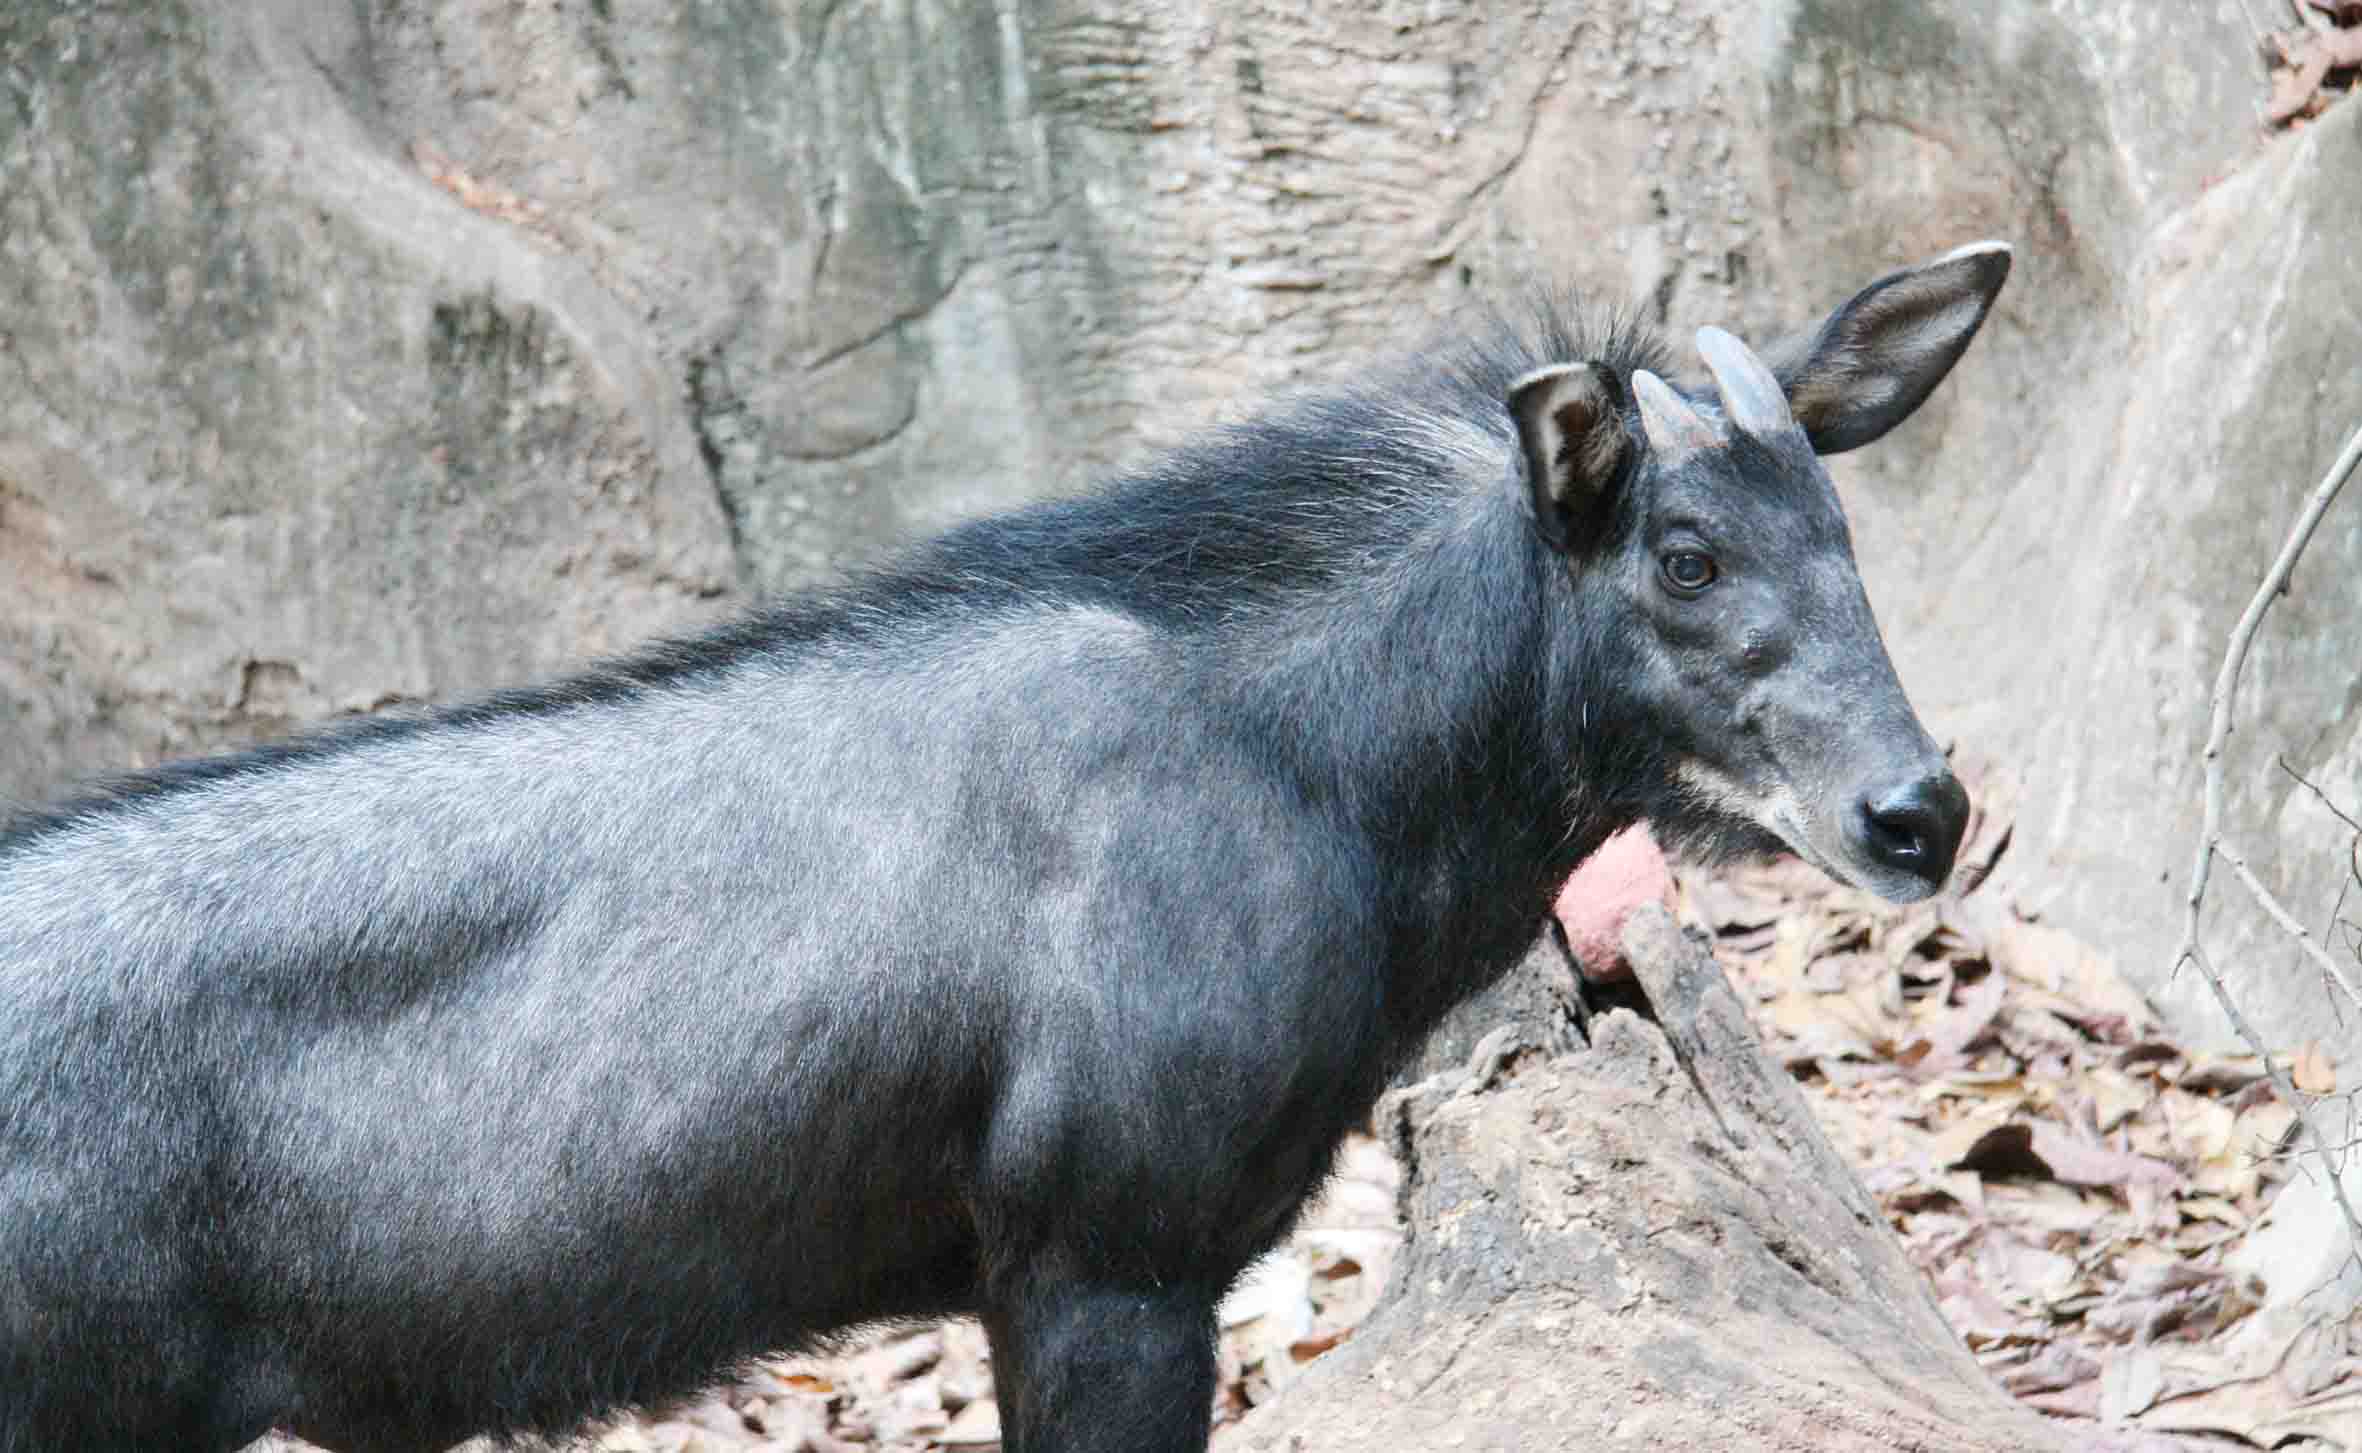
(1688, 572)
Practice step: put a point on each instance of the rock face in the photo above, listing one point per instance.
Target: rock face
(284, 430)
(357, 352)
(1646, 1242)
(2241, 316)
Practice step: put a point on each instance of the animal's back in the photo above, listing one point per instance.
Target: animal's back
(989, 900)
(498, 1003)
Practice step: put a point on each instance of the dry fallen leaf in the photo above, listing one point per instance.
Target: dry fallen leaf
(2213, 1208)
(2065, 1175)
(2219, 1074)
(2055, 1366)
(2001, 1150)
(2263, 1129)
(2063, 1213)
(2311, 1069)
(1816, 1029)
(2201, 1127)
(2129, 1384)
(1946, 1043)
(2306, 62)
(2115, 1097)
(2080, 1163)
(2031, 1273)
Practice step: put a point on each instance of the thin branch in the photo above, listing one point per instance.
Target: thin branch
(2291, 1155)
(2338, 920)
(2299, 1104)
(2291, 1152)
(2288, 923)
(2318, 795)
(2226, 682)
(2353, 860)
(2218, 735)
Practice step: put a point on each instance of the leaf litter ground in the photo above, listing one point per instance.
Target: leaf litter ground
(2313, 64)
(2073, 1183)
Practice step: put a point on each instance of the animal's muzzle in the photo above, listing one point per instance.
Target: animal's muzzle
(1915, 829)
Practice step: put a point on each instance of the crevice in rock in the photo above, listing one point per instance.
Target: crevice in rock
(716, 416)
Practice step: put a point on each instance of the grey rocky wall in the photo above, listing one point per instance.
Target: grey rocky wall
(364, 352)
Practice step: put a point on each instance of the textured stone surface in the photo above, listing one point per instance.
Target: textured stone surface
(1645, 1243)
(284, 429)
(2241, 321)
(361, 352)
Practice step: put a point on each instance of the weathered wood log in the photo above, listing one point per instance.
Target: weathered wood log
(1644, 1242)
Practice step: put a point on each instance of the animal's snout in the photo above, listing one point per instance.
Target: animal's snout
(1915, 829)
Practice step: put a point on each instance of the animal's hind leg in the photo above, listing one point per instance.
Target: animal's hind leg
(1082, 1367)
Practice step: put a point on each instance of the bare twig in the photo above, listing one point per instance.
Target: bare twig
(2291, 1153)
(2292, 1156)
(2288, 923)
(2284, 1089)
(2318, 795)
(2218, 735)
(2226, 682)
(2353, 860)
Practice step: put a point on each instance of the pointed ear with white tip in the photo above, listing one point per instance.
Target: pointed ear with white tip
(1570, 427)
(1868, 365)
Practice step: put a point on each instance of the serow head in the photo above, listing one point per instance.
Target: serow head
(1748, 704)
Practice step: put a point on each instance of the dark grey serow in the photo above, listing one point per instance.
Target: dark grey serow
(1015, 930)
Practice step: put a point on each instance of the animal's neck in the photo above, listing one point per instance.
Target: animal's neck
(1434, 704)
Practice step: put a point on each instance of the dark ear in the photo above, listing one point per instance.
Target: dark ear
(1877, 358)
(1570, 423)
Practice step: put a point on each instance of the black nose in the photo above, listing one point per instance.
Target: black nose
(1916, 829)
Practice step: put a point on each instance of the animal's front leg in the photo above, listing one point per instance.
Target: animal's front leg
(1083, 1366)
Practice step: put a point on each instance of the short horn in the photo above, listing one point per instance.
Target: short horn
(1750, 394)
(1672, 426)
